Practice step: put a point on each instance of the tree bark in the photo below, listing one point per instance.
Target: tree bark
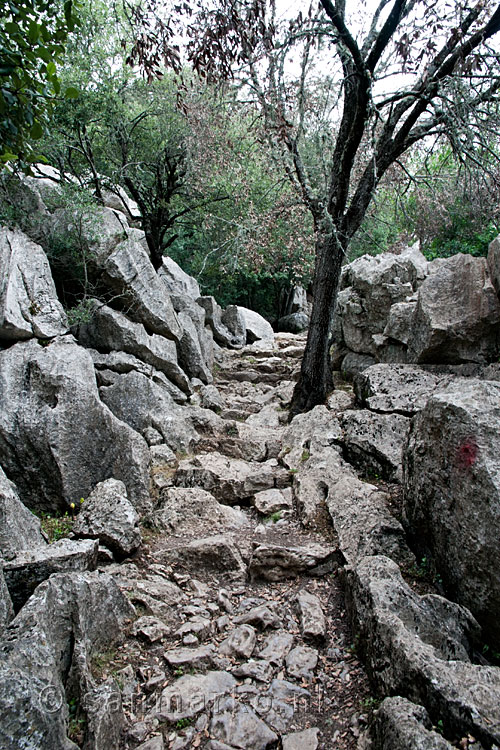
(315, 380)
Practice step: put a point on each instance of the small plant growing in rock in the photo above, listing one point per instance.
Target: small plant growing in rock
(56, 527)
(305, 455)
(182, 723)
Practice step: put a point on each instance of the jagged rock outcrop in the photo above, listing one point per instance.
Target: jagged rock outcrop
(418, 647)
(402, 725)
(402, 309)
(109, 330)
(452, 493)
(457, 315)
(57, 438)
(108, 515)
(176, 280)
(257, 327)
(374, 442)
(19, 528)
(47, 650)
(28, 300)
(6, 608)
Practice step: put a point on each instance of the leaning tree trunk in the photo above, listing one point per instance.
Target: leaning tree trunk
(315, 380)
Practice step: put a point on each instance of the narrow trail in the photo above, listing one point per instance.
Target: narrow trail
(242, 640)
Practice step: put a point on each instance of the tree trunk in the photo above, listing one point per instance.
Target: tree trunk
(315, 378)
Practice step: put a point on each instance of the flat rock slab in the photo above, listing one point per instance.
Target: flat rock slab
(272, 501)
(240, 641)
(238, 726)
(150, 629)
(28, 569)
(276, 646)
(189, 511)
(259, 669)
(216, 553)
(191, 694)
(301, 662)
(279, 704)
(190, 657)
(261, 616)
(275, 563)
(306, 740)
(312, 618)
(230, 480)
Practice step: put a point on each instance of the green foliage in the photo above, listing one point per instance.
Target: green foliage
(56, 526)
(33, 35)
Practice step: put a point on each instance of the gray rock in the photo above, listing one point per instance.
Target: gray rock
(6, 608)
(257, 327)
(150, 629)
(234, 320)
(29, 568)
(108, 515)
(398, 388)
(155, 743)
(176, 280)
(195, 346)
(374, 442)
(57, 439)
(458, 314)
(353, 363)
(273, 562)
(230, 480)
(261, 616)
(417, 647)
(294, 323)
(236, 725)
(400, 322)
(312, 618)
(307, 434)
(213, 316)
(363, 522)
(272, 501)
(19, 528)
(128, 272)
(28, 299)
(305, 740)
(211, 398)
(189, 511)
(494, 263)
(103, 710)
(301, 662)
(190, 657)
(402, 725)
(255, 669)
(146, 405)
(240, 641)
(68, 620)
(215, 553)
(452, 494)
(276, 646)
(191, 694)
(280, 703)
(111, 330)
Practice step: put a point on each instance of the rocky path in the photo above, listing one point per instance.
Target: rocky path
(242, 640)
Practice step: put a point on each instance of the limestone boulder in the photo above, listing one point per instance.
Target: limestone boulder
(374, 442)
(419, 647)
(176, 280)
(146, 406)
(216, 553)
(494, 263)
(6, 608)
(452, 493)
(294, 323)
(50, 643)
(257, 327)
(109, 330)
(307, 434)
(28, 299)
(398, 388)
(230, 480)
(223, 335)
(363, 521)
(402, 725)
(57, 439)
(108, 515)
(232, 317)
(190, 511)
(274, 562)
(457, 315)
(24, 572)
(19, 528)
